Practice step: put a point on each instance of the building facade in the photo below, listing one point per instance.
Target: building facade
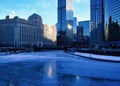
(65, 19)
(74, 27)
(38, 22)
(86, 27)
(80, 33)
(112, 20)
(81, 41)
(17, 32)
(49, 35)
(97, 22)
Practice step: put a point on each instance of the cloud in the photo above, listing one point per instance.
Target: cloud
(78, 1)
(82, 1)
(6, 12)
(12, 14)
(47, 9)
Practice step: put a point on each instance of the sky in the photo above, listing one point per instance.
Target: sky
(47, 9)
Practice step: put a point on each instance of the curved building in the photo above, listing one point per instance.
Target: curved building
(112, 20)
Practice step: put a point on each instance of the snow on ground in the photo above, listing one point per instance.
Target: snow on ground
(99, 57)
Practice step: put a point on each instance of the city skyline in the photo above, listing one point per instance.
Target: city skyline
(15, 8)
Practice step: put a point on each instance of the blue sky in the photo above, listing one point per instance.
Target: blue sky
(46, 8)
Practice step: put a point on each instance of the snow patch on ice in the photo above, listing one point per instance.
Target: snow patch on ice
(101, 57)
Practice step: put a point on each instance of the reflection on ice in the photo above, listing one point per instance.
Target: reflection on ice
(50, 78)
(77, 78)
(56, 68)
(50, 71)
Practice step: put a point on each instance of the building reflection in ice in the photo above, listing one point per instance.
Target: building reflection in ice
(50, 78)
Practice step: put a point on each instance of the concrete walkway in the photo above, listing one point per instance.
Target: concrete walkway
(98, 57)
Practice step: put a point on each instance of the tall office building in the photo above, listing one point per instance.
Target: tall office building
(82, 41)
(74, 26)
(86, 27)
(65, 18)
(112, 20)
(97, 21)
(112, 23)
(80, 33)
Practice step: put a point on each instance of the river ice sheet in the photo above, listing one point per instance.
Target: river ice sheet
(56, 68)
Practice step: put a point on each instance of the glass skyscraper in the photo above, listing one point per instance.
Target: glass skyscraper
(75, 26)
(112, 20)
(65, 22)
(97, 21)
(86, 27)
(65, 18)
(61, 15)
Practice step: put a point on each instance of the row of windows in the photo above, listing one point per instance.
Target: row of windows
(22, 33)
(97, 21)
(112, 20)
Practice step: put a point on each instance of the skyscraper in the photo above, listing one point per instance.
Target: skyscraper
(112, 23)
(65, 18)
(86, 27)
(97, 22)
(80, 33)
(75, 26)
(112, 20)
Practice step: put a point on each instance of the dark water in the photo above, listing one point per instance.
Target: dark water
(63, 70)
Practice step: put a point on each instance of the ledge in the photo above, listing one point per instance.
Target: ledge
(98, 57)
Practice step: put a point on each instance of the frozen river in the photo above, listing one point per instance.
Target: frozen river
(56, 68)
